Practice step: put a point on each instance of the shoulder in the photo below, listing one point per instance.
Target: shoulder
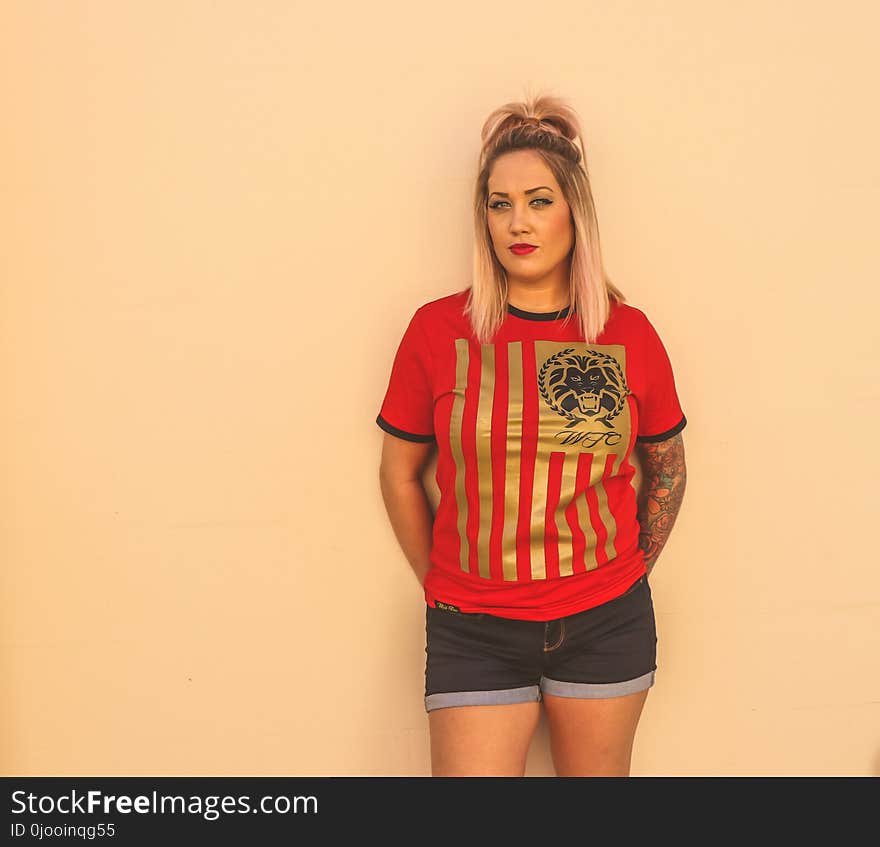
(635, 320)
(629, 313)
(450, 305)
(628, 318)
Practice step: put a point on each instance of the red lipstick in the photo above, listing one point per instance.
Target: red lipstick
(522, 249)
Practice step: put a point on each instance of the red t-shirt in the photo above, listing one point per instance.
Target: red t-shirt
(537, 512)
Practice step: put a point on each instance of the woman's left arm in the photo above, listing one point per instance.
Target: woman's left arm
(664, 476)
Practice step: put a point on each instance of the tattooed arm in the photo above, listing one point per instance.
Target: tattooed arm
(664, 476)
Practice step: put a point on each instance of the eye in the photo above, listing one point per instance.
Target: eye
(543, 200)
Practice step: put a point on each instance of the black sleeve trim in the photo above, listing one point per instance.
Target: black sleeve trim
(663, 435)
(401, 433)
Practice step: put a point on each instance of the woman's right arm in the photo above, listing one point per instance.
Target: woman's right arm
(406, 501)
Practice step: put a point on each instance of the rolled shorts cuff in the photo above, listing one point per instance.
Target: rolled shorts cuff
(596, 690)
(503, 696)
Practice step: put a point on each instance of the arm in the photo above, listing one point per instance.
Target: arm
(406, 500)
(664, 477)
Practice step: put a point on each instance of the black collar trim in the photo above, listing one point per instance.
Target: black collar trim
(538, 316)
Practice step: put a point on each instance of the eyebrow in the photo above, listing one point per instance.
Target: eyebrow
(529, 191)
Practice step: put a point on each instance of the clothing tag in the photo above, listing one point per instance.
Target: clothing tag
(448, 606)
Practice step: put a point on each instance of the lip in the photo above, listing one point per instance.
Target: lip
(522, 249)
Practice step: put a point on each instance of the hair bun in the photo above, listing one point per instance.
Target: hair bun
(543, 120)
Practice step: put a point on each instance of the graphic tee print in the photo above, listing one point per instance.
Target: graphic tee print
(537, 513)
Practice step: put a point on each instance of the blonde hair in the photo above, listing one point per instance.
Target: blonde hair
(550, 127)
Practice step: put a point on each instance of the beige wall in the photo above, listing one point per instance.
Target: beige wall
(217, 219)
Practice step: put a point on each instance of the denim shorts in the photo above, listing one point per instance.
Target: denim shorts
(481, 659)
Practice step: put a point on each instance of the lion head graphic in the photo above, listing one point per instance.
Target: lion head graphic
(590, 387)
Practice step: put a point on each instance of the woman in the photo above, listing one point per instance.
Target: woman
(535, 384)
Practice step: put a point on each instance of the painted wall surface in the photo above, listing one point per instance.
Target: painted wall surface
(218, 218)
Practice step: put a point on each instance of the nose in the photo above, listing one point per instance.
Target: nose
(519, 222)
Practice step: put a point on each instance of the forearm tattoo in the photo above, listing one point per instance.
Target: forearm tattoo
(663, 482)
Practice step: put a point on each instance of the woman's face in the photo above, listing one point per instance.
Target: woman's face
(519, 214)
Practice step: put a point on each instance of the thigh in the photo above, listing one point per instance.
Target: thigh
(593, 737)
(489, 740)
(481, 692)
(600, 665)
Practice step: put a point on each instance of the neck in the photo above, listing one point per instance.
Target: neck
(544, 295)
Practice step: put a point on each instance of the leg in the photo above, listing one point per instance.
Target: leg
(601, 664)
(481, 692)
(490, 740)
(593, 737)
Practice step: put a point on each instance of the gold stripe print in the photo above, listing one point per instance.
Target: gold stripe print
(484, 455)
(566, 495)
(582, 505)
(596, 470)
(462, 359)
(513, 456)
(604, 512)
(537, 518)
